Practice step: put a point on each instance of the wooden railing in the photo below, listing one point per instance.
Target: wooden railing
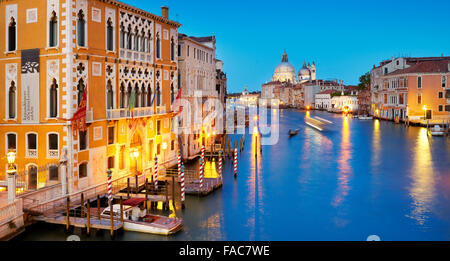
(10, 212)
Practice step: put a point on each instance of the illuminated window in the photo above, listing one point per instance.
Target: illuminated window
(419, 98)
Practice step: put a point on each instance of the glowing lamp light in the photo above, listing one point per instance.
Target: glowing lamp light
(255, 118)
(164, 145)
(255, 131)
(11, 157)
(424, 108)
(135, 153)
(214, 133)
(308, 107)
(377, 111)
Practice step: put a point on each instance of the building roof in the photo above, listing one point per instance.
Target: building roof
(425, 66)
(142, 12)
(327, 92)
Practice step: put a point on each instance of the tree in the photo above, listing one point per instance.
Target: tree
(364, 81)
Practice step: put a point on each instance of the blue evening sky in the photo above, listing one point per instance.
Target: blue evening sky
(345, 38)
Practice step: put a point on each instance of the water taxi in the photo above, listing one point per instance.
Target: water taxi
(436, 131)
(365, 118)
(138, 220)
(317, 123)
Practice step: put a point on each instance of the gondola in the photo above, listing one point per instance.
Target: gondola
(292, 133)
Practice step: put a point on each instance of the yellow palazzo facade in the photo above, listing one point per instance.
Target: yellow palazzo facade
(55, 50)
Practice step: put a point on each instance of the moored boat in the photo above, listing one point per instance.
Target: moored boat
(138, 220)
(365, 118)
(436, 131)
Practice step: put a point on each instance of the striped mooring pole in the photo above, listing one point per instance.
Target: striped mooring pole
(182, 186)
(179, 163)
(109, 172)
(156, 172)
(235, 162)
(220, 164)
(203, 155)
(201, 174)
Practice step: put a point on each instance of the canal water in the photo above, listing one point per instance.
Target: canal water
(355, 179)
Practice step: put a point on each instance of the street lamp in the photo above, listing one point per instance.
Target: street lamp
(135, 155)
(164, 147)
(11, 156)
(424, 112)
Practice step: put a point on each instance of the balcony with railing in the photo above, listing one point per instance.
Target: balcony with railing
(115, 114)
(31, 153)
(53, 154)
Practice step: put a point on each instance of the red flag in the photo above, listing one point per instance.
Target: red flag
(79, 117)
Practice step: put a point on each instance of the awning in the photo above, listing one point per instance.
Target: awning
(133, 202)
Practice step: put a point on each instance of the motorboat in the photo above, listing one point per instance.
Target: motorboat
(317, 123)
(436, 131)
(138, 220)
(365, 117)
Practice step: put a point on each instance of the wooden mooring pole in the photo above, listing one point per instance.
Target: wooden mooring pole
(111, 218)
(67, 214)
(121, 210)
(82, 205)
(88, 213)
(173, 192)
(98, 208)
(146, 194)
(128, 187)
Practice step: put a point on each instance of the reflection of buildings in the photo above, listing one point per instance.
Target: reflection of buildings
(111, 51)
(201, 80)
(414, 88)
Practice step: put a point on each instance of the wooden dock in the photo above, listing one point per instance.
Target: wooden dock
(209, 185)
(60, 219)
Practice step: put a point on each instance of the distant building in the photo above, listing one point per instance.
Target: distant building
(198, 82)
(323, 100)
(344, 103)
(414, 88)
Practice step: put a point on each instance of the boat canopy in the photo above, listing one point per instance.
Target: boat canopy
(133, 202)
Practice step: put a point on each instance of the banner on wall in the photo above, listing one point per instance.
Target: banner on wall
(30, 86)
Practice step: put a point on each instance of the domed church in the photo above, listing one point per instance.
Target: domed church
(285, 72)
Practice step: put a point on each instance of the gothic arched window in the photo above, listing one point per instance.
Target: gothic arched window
(109, 95)
(149, 42)
(110, 35)
(137, 96)
(53, 31)
(172, 94)
(122, 95)
(129, 39)
(81, 24)
(149, 95)
(172, 50)
(54, 99)
(12, 35)
(12, 101)
(158, 95)
(143, 96)
(158, 46)
(136, 40)
(129, 90)
(80, 88)
(122, 36)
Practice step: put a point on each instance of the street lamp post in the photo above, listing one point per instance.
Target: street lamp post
(11, 177)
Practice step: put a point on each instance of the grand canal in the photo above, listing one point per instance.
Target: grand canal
(356, 179)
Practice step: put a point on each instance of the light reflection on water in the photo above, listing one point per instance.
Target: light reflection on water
(356, 179)
(422, 189)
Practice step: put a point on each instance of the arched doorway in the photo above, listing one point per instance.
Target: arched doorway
(32, 177)
(136, 158)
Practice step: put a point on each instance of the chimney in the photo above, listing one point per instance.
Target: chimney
(165, 12)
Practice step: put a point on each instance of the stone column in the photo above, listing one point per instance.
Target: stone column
(11, 187)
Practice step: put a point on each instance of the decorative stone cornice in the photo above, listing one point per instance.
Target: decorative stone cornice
(141, 12)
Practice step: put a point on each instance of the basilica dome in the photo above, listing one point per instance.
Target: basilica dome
(284, 72)
(304, 74)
